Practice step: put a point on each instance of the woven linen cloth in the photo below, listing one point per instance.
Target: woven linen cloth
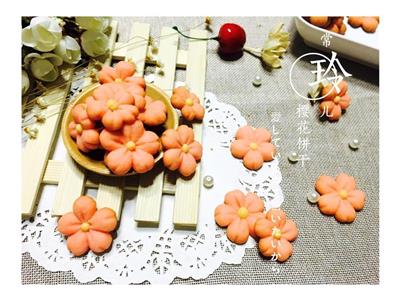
(325, 252)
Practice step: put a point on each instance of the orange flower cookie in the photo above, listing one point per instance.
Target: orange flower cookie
(82, 129)
(112, 105)
(276, 233)
(334, 24)
(368, 24)
(188, 103)
(153, 113)
(87, 228)
(339, 197)
(333, 102)
(122, 74)
(239, 213)
(181, 151)
(130, 147)
(253, 145)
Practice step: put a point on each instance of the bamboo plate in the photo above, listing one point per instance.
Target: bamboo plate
(98, 166)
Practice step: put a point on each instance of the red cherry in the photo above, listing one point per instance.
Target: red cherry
(231, 38)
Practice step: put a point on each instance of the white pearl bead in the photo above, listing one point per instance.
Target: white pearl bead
(257, 80)
(208, 181)
(354, 144)
(313, 197)
(293, 157)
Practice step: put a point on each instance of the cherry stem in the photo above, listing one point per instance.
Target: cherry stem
(194, 38)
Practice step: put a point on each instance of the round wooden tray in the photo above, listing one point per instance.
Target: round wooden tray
(98, 166)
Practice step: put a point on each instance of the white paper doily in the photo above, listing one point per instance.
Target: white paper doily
(161, 254)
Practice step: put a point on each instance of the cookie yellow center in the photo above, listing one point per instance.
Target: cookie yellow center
(189, 102)
(343, 194)
(336, 100)
(130, 145)
(78, 128)
(185, 148)
(85, 227)
(118, 80)
(112, 104)
(276, 233)
(243, 212)
(253, 146)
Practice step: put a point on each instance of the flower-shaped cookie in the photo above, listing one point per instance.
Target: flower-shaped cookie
(337, 25)
(122, 74)
(154, 112)
(88, 228)
(82, 129)
(254, 146)
(239, 213)
(188, 103)
(130, 147)
(181, 151)
(334, 24)
(276, 233)
(368, 24)
(112, 105)
(119, 73)
(339, 197)
(333, 102)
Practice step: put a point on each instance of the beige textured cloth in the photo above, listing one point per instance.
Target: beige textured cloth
(325, 251)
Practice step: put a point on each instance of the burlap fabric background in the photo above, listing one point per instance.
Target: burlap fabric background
(325, 251)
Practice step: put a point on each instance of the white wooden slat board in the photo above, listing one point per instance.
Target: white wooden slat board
(120, 52)
(148, 202)
(110, 192)
(188, 191)
(36, 151)
(72, 180)
(54, 172)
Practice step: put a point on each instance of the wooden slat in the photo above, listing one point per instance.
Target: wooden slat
(54, 171)
(120, 52)
(188, 190)
(70, 187)
(36, 151)
(148, 203)
(72, 180)
(110, 193)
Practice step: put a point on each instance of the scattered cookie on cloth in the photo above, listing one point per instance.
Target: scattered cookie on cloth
(334, 101)
(88, 228)
(253, 145)
(339, 197)
(239, 214)
(275, 233)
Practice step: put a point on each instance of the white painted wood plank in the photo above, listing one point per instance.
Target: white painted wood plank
(188, 190)
(148, 203)
(54, 171)
(70, 187)
(36, 151)
(111, 190)
(72, 180)
(120, 53)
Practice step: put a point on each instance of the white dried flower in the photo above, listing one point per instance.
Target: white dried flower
(43, 66)
(275, 46)
(94, 43)
(43, 34)
(68, 49)
(94, 23)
